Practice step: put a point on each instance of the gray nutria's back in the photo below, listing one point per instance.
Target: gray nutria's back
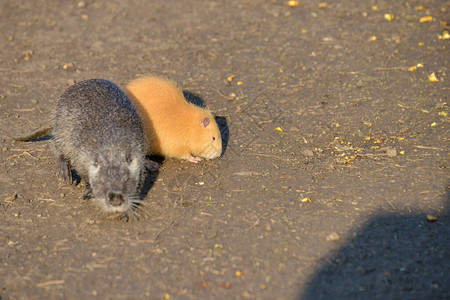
(98, 132)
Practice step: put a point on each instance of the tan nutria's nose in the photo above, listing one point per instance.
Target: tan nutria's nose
(115, 198)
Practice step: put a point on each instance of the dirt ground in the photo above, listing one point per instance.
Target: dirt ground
(334, 180)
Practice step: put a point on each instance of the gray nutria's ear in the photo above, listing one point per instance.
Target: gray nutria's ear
(204, 122)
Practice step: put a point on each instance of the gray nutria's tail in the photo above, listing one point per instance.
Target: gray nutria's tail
(35, 134)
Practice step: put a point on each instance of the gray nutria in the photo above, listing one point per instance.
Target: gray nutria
(98, 132)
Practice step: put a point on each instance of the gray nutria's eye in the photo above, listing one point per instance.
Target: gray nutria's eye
(128, 159)
(95, 164)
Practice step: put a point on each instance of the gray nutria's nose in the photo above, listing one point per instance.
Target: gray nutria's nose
(115, 198)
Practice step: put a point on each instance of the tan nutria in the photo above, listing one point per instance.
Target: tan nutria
(174, 127)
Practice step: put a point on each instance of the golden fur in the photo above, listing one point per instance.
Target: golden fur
(173, 125)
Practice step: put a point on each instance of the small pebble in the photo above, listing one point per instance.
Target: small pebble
(10, 198)
(308, 153)
(391, 152)
(68, 66)
(332, 237)
(431, 218)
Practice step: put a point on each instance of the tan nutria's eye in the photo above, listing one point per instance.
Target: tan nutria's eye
(214, 138)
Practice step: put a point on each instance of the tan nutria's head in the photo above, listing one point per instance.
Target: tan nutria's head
(207, 141)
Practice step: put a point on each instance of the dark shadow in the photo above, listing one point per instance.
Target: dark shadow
(76, 179)
(156, 158)
(392, 257)
(42, 138)
(194, 99)
(224, 132)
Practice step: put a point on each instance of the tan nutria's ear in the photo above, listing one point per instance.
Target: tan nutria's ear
(204, 122)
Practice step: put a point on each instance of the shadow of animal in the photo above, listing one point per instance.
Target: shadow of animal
(393, 257)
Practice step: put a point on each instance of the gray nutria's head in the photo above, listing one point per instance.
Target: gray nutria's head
(115, 177)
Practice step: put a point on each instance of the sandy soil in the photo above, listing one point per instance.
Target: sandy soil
(334, 180)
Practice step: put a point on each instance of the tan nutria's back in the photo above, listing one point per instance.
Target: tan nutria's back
(174, 127)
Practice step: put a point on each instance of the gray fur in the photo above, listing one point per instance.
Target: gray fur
(98, 132)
